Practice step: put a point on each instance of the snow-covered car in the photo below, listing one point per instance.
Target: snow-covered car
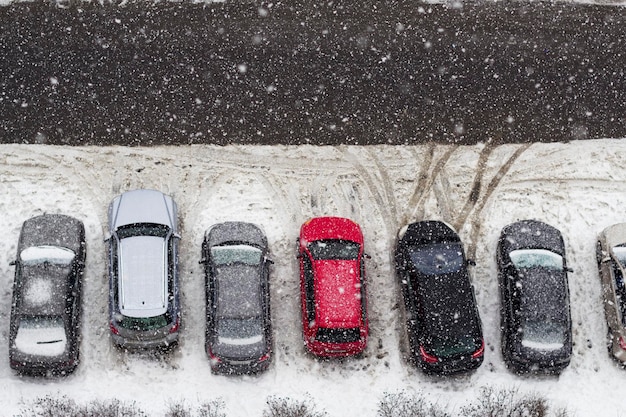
(443, 324)
(535, 321)
(332, 286)
(144, 310)
(238, 323)
(611, 257)
(44, 333)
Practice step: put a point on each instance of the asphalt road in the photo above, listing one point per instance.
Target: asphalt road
(296, 72)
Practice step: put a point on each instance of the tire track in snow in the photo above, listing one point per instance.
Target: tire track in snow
(418, 199)
(491, 187)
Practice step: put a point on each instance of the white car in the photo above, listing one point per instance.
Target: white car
(611, 257)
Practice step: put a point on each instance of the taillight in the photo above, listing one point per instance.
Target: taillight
(113, 328)
(264, 357)
(480, 350)
(428, 358)
(212, 357)
(622, 343)
(174, 328)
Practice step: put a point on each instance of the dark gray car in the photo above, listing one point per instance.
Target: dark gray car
(45, 313)
(238, 327)
(144, 310)
(535, 310)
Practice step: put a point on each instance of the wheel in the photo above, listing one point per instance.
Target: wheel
(599, 255)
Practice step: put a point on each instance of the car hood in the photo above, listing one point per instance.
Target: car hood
(615, 235)
(142, 206)
(532, 234)
(323, 228)
(236, 232)
(52, 230)
(426, 232)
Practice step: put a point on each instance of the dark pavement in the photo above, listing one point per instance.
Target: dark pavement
(365, 72)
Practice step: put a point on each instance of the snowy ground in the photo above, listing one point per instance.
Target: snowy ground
(578, 187)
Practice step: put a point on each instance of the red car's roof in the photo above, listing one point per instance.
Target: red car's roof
(320, 228)
(338, 290)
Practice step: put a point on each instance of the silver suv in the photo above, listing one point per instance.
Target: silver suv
(144, 310)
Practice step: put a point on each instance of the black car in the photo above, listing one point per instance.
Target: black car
(443, 324)
(535, 310)
(45, 312)
(238, 326)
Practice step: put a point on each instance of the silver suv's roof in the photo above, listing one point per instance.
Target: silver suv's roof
(142, 206)
(143, 276)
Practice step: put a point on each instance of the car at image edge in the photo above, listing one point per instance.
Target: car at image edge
(536, 322)
(144, 310)
(611, 257)
(44, 334)
(443, 324)
(238, 323)
(332, 285)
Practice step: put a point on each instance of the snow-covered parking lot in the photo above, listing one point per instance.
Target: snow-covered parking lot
(579, 187)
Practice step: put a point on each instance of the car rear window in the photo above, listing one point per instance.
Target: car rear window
(333, 335)
(144, 323)
(446, 347)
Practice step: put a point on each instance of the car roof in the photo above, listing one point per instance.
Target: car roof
(322, 228)
(239, 291)
(142, 206)
(44, 290)
(448, 303)
(543, 294)
(143, 276)
(337, 293)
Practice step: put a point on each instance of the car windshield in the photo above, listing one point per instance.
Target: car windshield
(536, 258)
(331, 335)
(334, 249)
(239, 331)
(36, 255)
(543, 334)
(41, 335)
(144, 323)
(143, 229)
(445, 347)
(231, 254)
(437, 258)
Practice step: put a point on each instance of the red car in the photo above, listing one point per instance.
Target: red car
(332, 286)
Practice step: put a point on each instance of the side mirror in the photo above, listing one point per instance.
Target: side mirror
(269, 261)
(177, 235)
(12, 263)
(568, 269)
(202, 261)
(367, 256)
(471, 262)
